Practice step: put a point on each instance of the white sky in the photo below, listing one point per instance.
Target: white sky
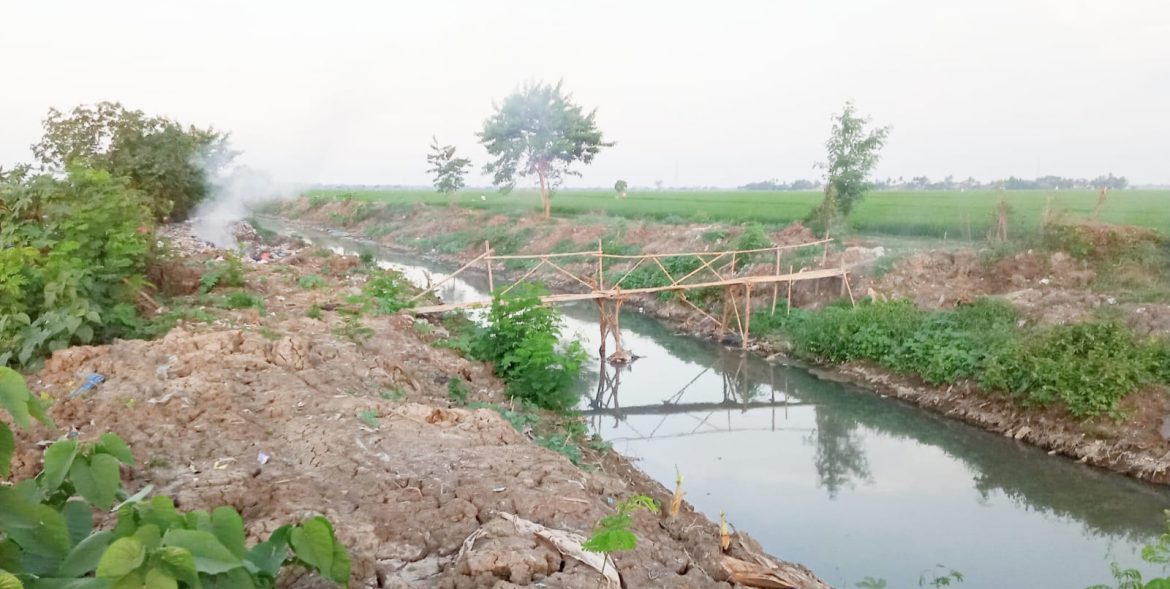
(695, 93)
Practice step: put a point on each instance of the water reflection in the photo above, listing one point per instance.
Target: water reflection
(840, 452)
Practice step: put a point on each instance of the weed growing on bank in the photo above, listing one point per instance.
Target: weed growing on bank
(1086, 369)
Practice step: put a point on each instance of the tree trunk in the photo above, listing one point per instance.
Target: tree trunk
(544, 197)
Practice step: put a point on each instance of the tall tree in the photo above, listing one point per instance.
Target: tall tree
(620, 187)
(539, 130)
(853, 151)
(171, 164)
(449, 171)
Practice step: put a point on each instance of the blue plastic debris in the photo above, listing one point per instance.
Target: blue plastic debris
(91, 380)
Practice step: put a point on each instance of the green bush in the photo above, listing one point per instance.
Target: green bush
(1086, 368)
(387, 291)
(49, 540)
(310, 281)
(521, 340)
(73, 255)
(226, 273)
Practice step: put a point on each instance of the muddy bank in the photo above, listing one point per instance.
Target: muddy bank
(1134, 447)
(358, 426)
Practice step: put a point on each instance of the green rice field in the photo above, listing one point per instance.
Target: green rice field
(920, 213)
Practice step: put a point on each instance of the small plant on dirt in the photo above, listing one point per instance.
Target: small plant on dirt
(49, 539)
(370, 418)
(715, 235)
(244, 300)
(353, 330)
(387, 291)
(228, 273)
(457, 391)
(314, 312)
(393, 394)
(367, 256)
(310, 281)
(613, 534)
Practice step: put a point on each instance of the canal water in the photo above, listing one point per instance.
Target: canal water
(845, 481)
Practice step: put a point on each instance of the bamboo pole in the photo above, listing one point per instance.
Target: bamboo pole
(487, 250)
(600, 269)
(449, 277)
(776, 285)
(567, 273)
(845, 281)
(530, 272)
(747, 322)
(789, 311)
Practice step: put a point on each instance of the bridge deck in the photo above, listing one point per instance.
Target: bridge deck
(622, 292)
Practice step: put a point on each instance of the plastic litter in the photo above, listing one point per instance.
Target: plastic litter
(92, 379)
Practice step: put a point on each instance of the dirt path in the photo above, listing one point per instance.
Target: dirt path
(363, 432)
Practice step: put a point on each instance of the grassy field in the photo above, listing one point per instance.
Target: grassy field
(919, 213)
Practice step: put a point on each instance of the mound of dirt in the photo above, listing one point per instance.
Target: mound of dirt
(275, 414)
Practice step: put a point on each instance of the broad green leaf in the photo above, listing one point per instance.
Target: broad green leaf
(135, 498)
(157, 579)
(7, 449)
(197, 519)
(59, 458)
(37, 410)
(1158, 584)
(178, 563)
(211, 556)
(115, 446)
(10, 556)
(127, 522)
(14, 395)
(233, 579)
(149, 535)
(85, 556)
(9, 581)
(269, 555)
(98, 481)
(123, 556)
(84, 583)
(160, 511)
(314, 544)
(79, 520)
(228, 527)
(37, 528)
(133, 580)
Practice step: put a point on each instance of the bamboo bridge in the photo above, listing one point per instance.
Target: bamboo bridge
(714, 270)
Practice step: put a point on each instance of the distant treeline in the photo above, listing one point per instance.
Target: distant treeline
(950, 183)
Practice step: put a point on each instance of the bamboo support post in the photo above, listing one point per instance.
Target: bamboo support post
(776, 285)
(747, 322)
(845, 281)
(487, 251)
(789, 311)
(600, 268)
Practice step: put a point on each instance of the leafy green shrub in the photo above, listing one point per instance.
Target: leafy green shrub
(310, 281)
(457, 391)
(520, 339)
(73, 255)
(227, 273)
(715, 235)
(387, 291)
(949, 346)
(612, 533)
(1086, 368)
(244, 300)
(753, 238)
(49, 541)
(842, 334)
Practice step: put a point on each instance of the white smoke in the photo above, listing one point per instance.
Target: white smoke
(236, 193)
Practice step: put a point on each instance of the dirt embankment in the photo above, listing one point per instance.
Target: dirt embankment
(362, 431)
(1048, 289)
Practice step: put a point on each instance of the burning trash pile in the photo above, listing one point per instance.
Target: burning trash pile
(183, 239)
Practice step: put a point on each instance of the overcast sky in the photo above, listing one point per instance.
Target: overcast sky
(694, 93)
